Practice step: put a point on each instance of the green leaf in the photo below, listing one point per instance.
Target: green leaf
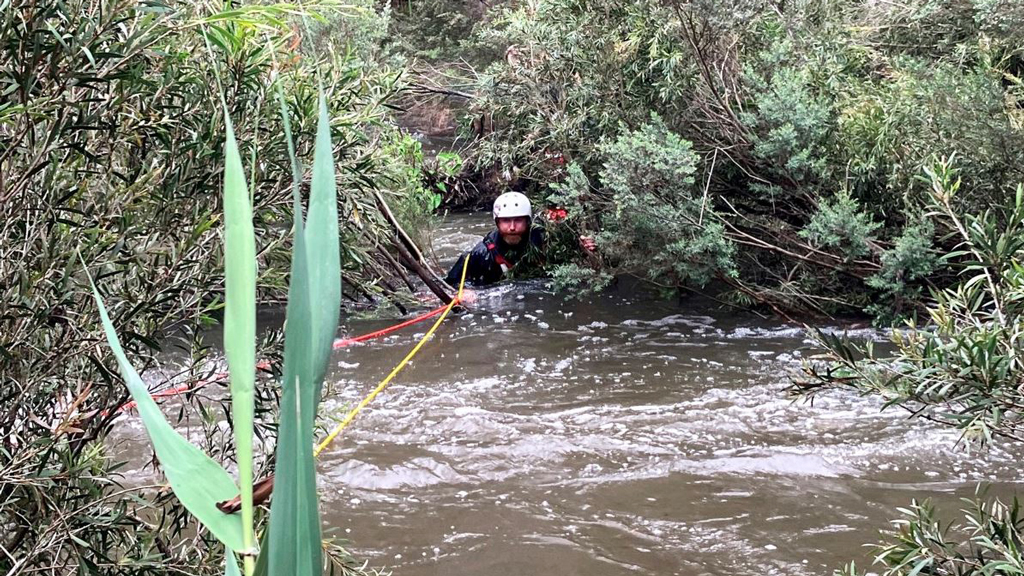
(322, 243)
(230, 564)
(287, 124)
(315, 277)
(262, 561)
(240, 317)
(197, 481)
(294, 527)
(920, 566)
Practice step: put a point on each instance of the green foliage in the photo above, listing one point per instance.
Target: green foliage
(437, 30)
(651, 223)
(579, 280)
(359, 28)
(413, 203)
(449, 164)
(572, 193)
(920, 543)
(182, 461)
(788, 121)
(964, 369)
(443, 172)
(785, 104)
(239, 328)
(315, 277)
(294, 531)
(890, 128)
(112, 145)
(649, 178)
(561, 248)
(419, 185)
(840, 224)
(650, 160)
(911, 259)
(572, 72)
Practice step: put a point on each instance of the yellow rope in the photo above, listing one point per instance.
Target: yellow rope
(383, 384)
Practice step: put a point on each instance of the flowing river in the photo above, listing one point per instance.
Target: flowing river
(614, 435)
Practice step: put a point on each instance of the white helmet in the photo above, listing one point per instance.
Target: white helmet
(511, 205)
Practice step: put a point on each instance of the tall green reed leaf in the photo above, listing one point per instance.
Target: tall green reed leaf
(197, 481)
(263, 562)
(240, 319)
(230, 564)
(322, 246)
(295, 546)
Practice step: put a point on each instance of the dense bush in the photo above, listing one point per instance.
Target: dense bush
(646, 199)
(797, 112)
(911, 260)
(962, 369)
(840, 225)
(890, 128)
(111, 148)
(438, 31)
(788, 120)
(572, 72)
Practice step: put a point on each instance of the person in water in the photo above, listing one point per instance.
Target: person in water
(515, 245)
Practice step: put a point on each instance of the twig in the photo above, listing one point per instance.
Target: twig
(707, 184)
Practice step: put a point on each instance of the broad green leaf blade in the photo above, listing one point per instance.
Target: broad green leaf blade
(197, 481)
(287, 123)
(294, 531)
(230, 564)
(322, 247)
(240, 316)
(294, 513)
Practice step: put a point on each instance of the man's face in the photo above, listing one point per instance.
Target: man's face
(512, 229)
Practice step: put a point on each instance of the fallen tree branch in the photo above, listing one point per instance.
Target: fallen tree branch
(416, 266)
(402, 236)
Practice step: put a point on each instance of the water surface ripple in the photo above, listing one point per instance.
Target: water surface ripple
(619, 435)
(615, 435)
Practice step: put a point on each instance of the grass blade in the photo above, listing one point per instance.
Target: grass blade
(294, 532)
(230, 564)
(262, 562)
(197, 481)
(287, 124)
(294, 525)
(240, 318)
(322, 246)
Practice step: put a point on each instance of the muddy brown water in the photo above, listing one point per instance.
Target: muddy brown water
(615, 435)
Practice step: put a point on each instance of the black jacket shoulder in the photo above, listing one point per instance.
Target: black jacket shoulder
(483, 267)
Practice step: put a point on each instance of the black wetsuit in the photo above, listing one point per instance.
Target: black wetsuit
(486, 258)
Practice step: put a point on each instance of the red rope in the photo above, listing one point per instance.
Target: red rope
(349, 341)
(264, 365)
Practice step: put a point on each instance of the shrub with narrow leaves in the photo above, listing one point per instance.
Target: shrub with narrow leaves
(651, 221)
(842, 226)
